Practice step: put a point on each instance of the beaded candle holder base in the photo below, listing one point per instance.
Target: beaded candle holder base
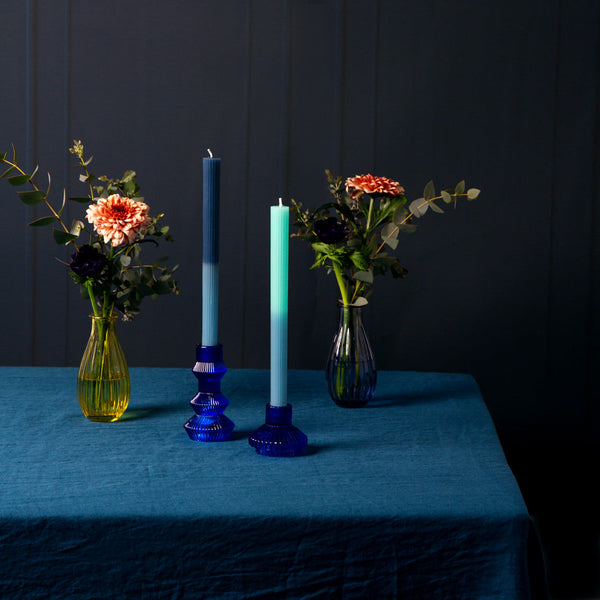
(278, 437)
(209, 424)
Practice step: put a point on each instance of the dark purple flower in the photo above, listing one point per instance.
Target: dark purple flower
(330, 230)
(88, 262)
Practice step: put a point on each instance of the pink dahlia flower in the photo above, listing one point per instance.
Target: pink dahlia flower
(369, 184)
(118, 220)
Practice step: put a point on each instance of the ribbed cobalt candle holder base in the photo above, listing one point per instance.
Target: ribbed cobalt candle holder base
(278, 437)
(209, 424)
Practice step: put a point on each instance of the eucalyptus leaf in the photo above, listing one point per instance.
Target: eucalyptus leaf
(366, 276)
(7, 172)
(64, 201)
(418, 207)
(460, 187)
(472, 193)
(43, 221)
(429, 191)
(392, 242)
(123, 295)
(389, 230)
(161, 287)
(18, 179)
(131, 277)
(32, 197)
(144, 290)
(436, 208)
(160, 260)
(125, 260)
(62, 237)
(407, 227)
(389, 234)
(360, 301)
(446, 197)
(400, 215)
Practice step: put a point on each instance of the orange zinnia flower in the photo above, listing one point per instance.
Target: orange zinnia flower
(119, 220)
(370, 184)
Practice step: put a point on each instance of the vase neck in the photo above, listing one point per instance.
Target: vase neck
(350, 316)
(350, 309)
(104, 319)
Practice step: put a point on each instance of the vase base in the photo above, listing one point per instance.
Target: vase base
(216, 428)
(103, 418)
(278, 437)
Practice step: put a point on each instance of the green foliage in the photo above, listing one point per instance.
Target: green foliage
(121, 280)
(349, 235)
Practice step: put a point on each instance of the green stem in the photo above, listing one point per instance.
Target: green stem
(106, 309)
(87, 176)
(357, 289)
(341, 284)
(88, 285)
(369, 215)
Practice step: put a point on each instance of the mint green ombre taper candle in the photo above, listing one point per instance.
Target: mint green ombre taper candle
(280, 225)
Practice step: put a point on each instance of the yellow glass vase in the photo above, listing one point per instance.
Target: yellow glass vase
(103, 380)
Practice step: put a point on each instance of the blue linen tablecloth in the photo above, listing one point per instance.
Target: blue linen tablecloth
(410, 497)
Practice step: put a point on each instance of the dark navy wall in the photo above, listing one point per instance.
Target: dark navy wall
(504, 94)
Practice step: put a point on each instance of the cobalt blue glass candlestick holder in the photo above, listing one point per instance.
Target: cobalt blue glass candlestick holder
(278, 437)
(209, 424)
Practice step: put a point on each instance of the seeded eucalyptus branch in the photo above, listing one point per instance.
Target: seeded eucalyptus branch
(349, 236)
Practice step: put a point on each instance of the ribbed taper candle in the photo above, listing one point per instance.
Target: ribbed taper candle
(280, 224)
(211, 185)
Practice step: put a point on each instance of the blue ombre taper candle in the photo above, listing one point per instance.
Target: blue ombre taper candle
(279, 302)
(211, 189)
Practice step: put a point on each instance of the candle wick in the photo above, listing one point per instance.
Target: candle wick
(210, 153)
(280, 202)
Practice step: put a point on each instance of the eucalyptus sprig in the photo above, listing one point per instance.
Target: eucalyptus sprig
(107, 267)
(349, 236)
(17, 177)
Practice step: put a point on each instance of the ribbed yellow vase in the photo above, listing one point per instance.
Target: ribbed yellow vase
(103, 380)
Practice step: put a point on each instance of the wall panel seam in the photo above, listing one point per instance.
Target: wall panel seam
(30, 155)
(592, 344)
(286, 44)
(376, 61)
(66, 144)
(553, 196)
(245, 245)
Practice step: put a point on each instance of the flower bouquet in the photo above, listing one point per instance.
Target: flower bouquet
(107, 267)
(351, 237)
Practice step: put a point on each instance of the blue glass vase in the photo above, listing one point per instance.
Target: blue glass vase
(350, 373)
